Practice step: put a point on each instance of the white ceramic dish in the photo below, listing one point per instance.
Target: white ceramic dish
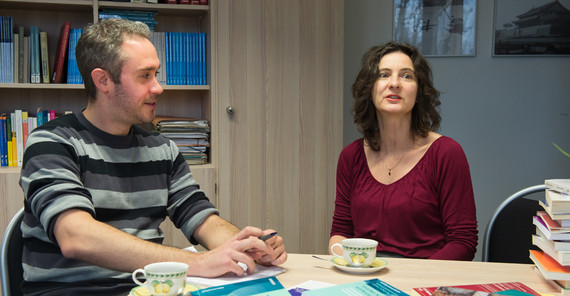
(142, 291)
(376, 265)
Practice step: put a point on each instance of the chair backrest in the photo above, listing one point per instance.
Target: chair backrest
(508, 236)
(11, 260)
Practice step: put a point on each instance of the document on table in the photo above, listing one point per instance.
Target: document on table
(230, 278)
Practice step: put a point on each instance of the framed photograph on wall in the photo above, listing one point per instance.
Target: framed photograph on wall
(437, 27)
(531, 28)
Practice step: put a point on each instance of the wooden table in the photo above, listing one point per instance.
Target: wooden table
(406, 274)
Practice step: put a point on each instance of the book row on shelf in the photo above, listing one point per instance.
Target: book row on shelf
(552, 238)
(14, 130)
(190, 135)
(25, 58)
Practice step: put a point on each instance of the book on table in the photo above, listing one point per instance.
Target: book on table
(553, 234)
(551, 224)
(560, 185)
(454, 291)
(366, 287)
(559, 245)
(562, 217)
(510, 288)
(268, 286)
(549, 268)
(557, 201)
(547, 246)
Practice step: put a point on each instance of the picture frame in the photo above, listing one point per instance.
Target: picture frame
(531, 28)
(437, 27)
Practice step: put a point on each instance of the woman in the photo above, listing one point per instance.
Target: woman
(403, 184)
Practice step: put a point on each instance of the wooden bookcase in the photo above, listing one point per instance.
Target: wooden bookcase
(177, 100)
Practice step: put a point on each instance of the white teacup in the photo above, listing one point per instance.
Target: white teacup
(163, 278)
(358, 252)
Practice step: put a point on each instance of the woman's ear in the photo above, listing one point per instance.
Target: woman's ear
(101, 79)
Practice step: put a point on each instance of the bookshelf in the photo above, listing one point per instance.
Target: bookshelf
(177, 100)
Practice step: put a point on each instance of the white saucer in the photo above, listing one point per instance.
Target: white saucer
(142, 291)
(376, 265)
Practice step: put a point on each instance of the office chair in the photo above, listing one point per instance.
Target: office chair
(508, 236)
(11, 260)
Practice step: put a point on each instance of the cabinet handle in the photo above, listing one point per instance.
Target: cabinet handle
(230, 110)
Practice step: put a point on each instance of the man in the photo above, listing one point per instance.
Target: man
(97, 186)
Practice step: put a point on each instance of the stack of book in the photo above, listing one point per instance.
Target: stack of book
(553, 235)
(190, 135)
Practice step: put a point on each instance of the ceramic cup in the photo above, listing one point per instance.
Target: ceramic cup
(163, 278)
(358, 252)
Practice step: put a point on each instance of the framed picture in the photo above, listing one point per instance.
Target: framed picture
(437, 27)
(531, 27)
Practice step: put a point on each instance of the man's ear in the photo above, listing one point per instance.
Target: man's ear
(101, 79)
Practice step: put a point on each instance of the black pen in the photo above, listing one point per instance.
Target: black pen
(267, 236)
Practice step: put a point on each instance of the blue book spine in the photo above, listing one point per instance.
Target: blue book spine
(198, 58)
(178, 58)
(168, 49)
(2, 51)
(11, 51)
(40, 117)
(192, 55)
(36, 52)
(3, 142)
(73, 76)
(3, 65)
(203, 60)
(3, 25)
(185, 53)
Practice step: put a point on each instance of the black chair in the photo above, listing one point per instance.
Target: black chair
(11, 260)
(508, 236)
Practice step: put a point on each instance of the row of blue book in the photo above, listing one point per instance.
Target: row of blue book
(182, 56)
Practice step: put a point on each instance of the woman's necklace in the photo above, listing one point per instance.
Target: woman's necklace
(390, 169)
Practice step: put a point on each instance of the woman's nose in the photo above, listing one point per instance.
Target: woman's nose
(394, 83)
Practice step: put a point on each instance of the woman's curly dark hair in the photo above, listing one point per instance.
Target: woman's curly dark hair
(425, 116)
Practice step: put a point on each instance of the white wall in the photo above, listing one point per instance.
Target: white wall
(504, 111)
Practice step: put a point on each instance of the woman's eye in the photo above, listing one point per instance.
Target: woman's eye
(384, 75)
(408, 76)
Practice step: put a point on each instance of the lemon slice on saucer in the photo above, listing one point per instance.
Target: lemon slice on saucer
(142, 291)
(340, 261)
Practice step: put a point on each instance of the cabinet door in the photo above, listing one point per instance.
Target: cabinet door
(279, 67)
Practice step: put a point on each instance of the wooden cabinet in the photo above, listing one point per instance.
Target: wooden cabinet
(281, 70)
